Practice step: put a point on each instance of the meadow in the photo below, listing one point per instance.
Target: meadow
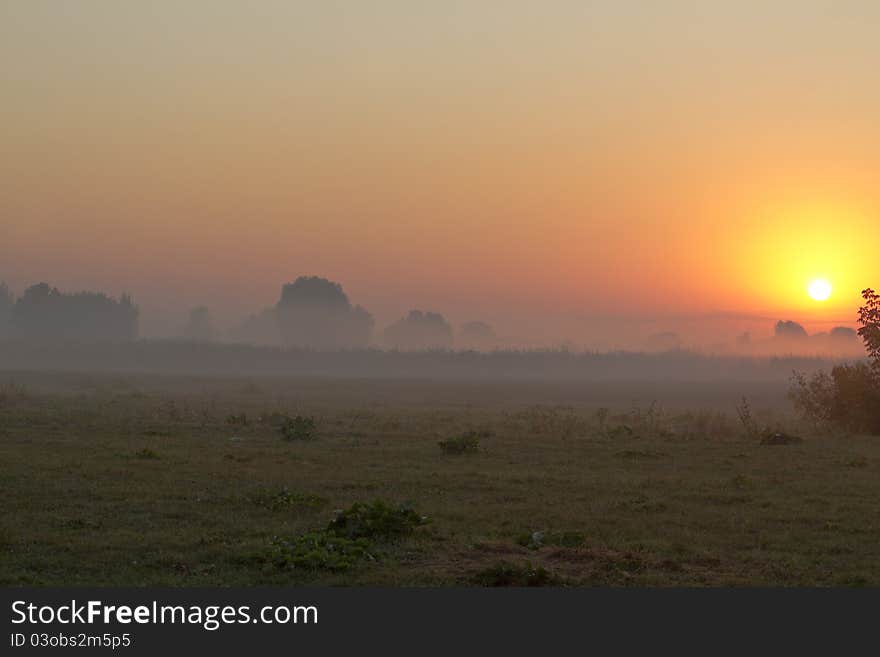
(136, 479)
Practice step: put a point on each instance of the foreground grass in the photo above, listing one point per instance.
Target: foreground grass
(143, 481)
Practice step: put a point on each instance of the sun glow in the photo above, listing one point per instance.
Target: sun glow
(819, 289)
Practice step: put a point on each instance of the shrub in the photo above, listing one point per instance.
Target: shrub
(849, 397)
(466, 443)
(537, 540)
(744, 412)
(240, 419)
(506, 574)
(319, 551)
(297, 428)
(350, 537)
(780, 438)
(282, 498)
(375, 521)
(602, 418)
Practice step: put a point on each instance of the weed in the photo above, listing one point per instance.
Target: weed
(621, 431)
(298, 428)
(241, 419)
(637, 454)
(744, 412)
(857, 462)
(537, 540)
(780, 438)
(376, 520)
(146, 453)
(319, 551)
(282, 498)
(466, 443)
(507, 574)
(350, 537)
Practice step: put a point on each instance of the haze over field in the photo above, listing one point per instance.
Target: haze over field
(595, 173)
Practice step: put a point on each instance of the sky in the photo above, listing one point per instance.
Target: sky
(558, 168)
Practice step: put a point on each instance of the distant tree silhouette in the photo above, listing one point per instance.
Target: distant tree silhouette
(789, 329)
(259, 329)
(843, 333)
(478, 335)
(43, 312)
(314, 312)
(665, 341)
(7, 302)
(419, 330)
(199, 326)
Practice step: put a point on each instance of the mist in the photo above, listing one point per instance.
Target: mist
(315, 329)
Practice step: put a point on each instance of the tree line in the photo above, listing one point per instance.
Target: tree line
(311, 312)
(44, 312)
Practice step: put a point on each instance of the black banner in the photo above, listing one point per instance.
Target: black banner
(332, 621)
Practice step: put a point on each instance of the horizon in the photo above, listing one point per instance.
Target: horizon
(557, 171)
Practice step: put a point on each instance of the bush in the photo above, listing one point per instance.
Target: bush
(537, 540)
(319, 551)
(506, 574)
(375, 521)
(297, 428)
(282, 498)
(849, 397)
(467, 443)
(349, 537)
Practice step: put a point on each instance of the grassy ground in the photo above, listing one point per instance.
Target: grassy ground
(148, 481)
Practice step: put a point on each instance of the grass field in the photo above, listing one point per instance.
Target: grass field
(145, 480)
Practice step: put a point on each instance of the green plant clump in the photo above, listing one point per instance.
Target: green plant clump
(350, 537)
(375, 521)
(319, 551)
(298, 428)
(283, 498)
(466, 443)
(506, 574)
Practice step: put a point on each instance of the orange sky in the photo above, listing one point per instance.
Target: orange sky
(539, 165)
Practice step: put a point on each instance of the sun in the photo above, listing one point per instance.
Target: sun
(819, 289)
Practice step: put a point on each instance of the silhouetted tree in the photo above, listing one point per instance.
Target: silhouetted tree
(665, 341)
(869, 319)
(843, 333)
(259, 329)
(419, 330)
(7, 302)
(199, 326)
(314, 312)
(43, 312)
(789, 329)
(478, 335)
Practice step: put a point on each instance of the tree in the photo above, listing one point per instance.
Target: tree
(7, 302)
(261, 328)
(419, 330)
(850, 397)
(43, 312)
(199, 326)
(314, 312)
(843, 333)
(869, 331)
(789, 329)
(479, 335)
